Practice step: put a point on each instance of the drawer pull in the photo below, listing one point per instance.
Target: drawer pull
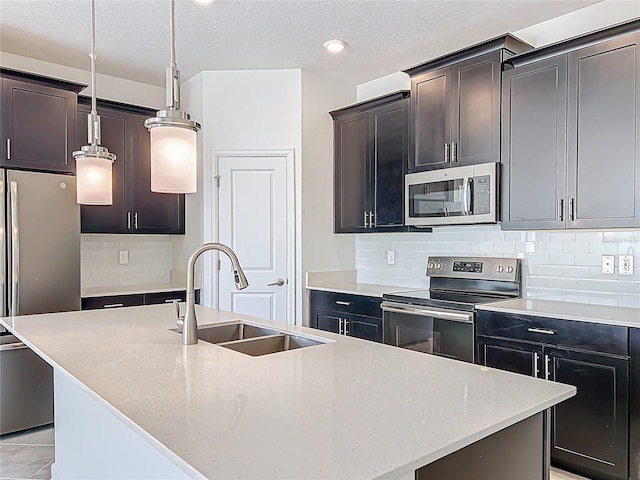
(171, 300)
(340, 302)
(113, 305)
(541, 330)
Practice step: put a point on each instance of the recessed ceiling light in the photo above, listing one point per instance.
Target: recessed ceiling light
(204, 2)
(335, 46)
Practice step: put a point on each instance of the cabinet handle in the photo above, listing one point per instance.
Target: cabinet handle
(535, 364)
(546, 367)
(135, 220)
(8, 149)
(340, 326)
(340, 302)
(345, 329)
(370, 219)
(128, 220)
(366, 223)
(113, 305)
(454, 152)
(171, 300)
(572, 208)
(446, 153)
(541, 330)
(560, 209)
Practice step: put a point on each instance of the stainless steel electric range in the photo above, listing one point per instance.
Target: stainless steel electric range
(441, 320)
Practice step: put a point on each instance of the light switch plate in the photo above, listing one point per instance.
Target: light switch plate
(608, 264)
(391, 257)
(123, 257)
(625, 264)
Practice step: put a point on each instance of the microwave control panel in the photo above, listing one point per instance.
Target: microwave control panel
(482, 195)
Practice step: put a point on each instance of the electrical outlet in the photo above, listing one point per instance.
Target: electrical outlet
(391, 257)
(123, 257)
(625, 264)
(608, 262)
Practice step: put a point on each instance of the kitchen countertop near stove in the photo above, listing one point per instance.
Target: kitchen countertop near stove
(607, 315)
(349, 409)
(346, 282)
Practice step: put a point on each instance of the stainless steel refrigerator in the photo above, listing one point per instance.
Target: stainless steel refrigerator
(39, 273)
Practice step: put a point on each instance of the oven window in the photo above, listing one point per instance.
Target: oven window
(437, 199)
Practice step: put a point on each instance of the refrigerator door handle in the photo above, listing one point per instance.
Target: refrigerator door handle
(15, 250)
(3, 253)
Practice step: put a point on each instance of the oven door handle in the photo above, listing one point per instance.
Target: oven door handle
(438, 314)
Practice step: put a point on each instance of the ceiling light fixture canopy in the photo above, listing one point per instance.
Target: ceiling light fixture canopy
(93, 162)
(173, 135)
(335, 46)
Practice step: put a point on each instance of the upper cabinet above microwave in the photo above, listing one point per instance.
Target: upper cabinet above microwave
(455, 106)
(571, 134)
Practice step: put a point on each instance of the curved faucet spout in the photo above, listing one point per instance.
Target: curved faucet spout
(190, 325)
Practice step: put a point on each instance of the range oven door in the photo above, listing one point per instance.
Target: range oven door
(447, 333)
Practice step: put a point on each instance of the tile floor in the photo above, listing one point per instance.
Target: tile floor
(27, 454)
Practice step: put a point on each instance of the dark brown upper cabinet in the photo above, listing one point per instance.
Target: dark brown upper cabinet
(38, 122)
(571, 135)
(455, 106)
(136, 209)
(370, 155)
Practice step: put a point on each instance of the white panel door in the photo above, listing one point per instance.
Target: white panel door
(252, 220)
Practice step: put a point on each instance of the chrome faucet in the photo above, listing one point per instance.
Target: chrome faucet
(188, 322)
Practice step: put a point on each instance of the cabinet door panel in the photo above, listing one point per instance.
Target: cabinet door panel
(391, 129)
(431, 114)
(367, 328)
(534, 145)
(604, 134)
(351, 174)
(517, 357)
(591, 429)
(326, 320)
(115, 127)
(153, 212)
(40, 121)
(476, 110)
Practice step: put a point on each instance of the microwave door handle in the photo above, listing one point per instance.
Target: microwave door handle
(437, 314)
(465, 196)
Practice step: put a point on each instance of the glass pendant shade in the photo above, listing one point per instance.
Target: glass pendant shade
(173, 159)
(94, 181)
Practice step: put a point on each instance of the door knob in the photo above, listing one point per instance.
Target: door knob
(279, 282)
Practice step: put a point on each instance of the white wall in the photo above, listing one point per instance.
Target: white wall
(107, 87)
(239, 110)
(321, 248)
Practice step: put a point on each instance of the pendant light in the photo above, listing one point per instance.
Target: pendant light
(93, 162)
(173, 135)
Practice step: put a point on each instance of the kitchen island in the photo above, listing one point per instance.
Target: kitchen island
(132, 402)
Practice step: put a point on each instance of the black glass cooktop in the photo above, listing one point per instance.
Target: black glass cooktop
(453, 300)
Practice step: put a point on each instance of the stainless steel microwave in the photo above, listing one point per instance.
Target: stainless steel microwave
(452, 196)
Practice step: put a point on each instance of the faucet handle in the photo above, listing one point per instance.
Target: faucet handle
(179, 318)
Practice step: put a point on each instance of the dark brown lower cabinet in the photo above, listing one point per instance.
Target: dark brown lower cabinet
(116, 301)
(590, 431)
(634, 405)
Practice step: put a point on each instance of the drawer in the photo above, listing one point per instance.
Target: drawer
(552, 331)
(344, 302)
(164, 297)
(115, 301)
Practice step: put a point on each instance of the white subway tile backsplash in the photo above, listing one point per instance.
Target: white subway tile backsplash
(556, 265)
(150, 259)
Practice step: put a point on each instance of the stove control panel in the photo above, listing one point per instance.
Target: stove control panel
(485, 268)
(475, 267)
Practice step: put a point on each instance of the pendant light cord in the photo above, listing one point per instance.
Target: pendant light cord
(92, 54)
(172, 20)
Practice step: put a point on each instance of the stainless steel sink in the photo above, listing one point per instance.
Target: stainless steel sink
(230, 332)
(272, 344)
(252, 339)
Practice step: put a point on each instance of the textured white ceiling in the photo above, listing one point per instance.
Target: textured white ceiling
(383, 36)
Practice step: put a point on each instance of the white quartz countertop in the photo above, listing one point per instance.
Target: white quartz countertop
(620, 316)
(346, 282)
(110, 291)
(348, 409)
